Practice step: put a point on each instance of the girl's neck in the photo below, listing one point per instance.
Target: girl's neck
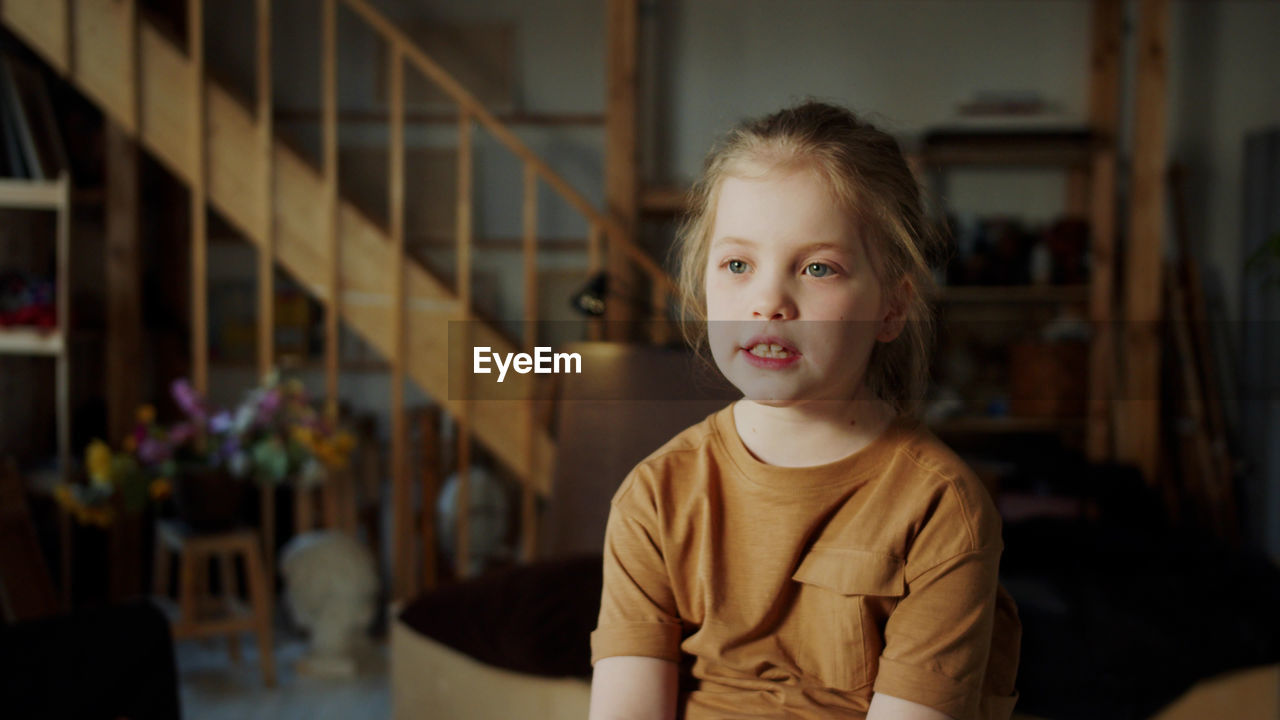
(813, 433)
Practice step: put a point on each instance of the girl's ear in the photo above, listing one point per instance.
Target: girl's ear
(894, 318)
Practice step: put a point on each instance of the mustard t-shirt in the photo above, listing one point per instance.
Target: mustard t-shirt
(797, 592)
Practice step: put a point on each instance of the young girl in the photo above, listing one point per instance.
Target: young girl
(810, 551)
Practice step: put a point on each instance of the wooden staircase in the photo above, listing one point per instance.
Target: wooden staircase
(227, 153)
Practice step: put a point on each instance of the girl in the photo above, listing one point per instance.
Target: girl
(810, 551)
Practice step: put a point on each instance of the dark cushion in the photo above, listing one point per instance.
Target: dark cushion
(1123, 615)
(534, 618)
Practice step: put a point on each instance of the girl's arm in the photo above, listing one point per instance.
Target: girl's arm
(630, 687)
(888, 707)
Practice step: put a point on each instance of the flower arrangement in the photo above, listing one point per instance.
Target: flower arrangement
(273, 435)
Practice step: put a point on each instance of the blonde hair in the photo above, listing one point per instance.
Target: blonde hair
(868, 175)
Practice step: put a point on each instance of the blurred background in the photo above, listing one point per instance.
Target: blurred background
(247, 245)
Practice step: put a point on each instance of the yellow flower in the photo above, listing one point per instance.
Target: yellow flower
(345, 442)
(160, 488)
(146, 414)
(303, 436)
(98, 461)
(102, 516)
(62, 495)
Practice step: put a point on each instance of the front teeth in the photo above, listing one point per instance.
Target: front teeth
(769, 350)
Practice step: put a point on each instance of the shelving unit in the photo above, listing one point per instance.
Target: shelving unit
(954, 294)
(1086, 157)
(55, 196)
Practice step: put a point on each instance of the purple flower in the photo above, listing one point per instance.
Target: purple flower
(152, 451)
(220, 423)
(268, 406)
(181, 433)
(189, 400)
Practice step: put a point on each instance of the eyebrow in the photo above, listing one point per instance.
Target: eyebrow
(812, 247)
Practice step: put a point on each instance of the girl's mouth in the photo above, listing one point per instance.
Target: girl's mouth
(769, 350)
(770, 353)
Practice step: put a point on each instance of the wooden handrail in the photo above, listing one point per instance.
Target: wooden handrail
(402, 517)
(199, 229)
(530, 253)
(469, 105)
(462, 418)
(329, 95)
(528, 496)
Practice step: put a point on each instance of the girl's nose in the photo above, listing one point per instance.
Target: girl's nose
(773, 302)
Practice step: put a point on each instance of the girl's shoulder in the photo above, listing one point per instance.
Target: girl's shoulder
(655, 474)
(937, 486)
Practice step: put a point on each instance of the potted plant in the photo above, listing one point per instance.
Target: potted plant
(205, 459)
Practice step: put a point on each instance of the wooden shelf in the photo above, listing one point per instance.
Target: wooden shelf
(659, 200)
(1006, 425)
(1013, 294)
(30, 341)
(1030, 148)
(31, 194)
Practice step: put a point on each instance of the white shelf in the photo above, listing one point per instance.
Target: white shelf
(54, 195)
(30, 341)
(32, 194)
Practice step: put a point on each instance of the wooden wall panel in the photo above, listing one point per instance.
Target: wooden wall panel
(42, 24)
(103, 65)
(165, 118)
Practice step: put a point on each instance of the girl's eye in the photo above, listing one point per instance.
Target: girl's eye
(818, 269)
(737, 267)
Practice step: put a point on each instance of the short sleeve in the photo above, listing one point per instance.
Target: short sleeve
(638, 613)
(938, 638)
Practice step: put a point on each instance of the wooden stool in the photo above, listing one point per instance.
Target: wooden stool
(198, 613)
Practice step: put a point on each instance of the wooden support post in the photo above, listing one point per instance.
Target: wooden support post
(1143, 274)
(1104, 120)
(68, 14)
(133, 81)
(266, 265)
(199, 219)
(303, 510)
(124, 279)
(659, 324)
(621, 155)
(124, 335)
(463, 417)
(405, 585)
(267, 250)
(333, 308)
(528, 494)
(595, 263)
(267, 511)
(429, 438)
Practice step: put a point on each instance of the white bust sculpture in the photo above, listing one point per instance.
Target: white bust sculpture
(331, 583)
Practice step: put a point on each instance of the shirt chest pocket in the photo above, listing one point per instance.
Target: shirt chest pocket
(840, 594)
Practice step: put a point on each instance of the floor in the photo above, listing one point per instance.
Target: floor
(214, 688)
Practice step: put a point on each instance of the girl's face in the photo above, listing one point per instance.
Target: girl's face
(793, 303)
